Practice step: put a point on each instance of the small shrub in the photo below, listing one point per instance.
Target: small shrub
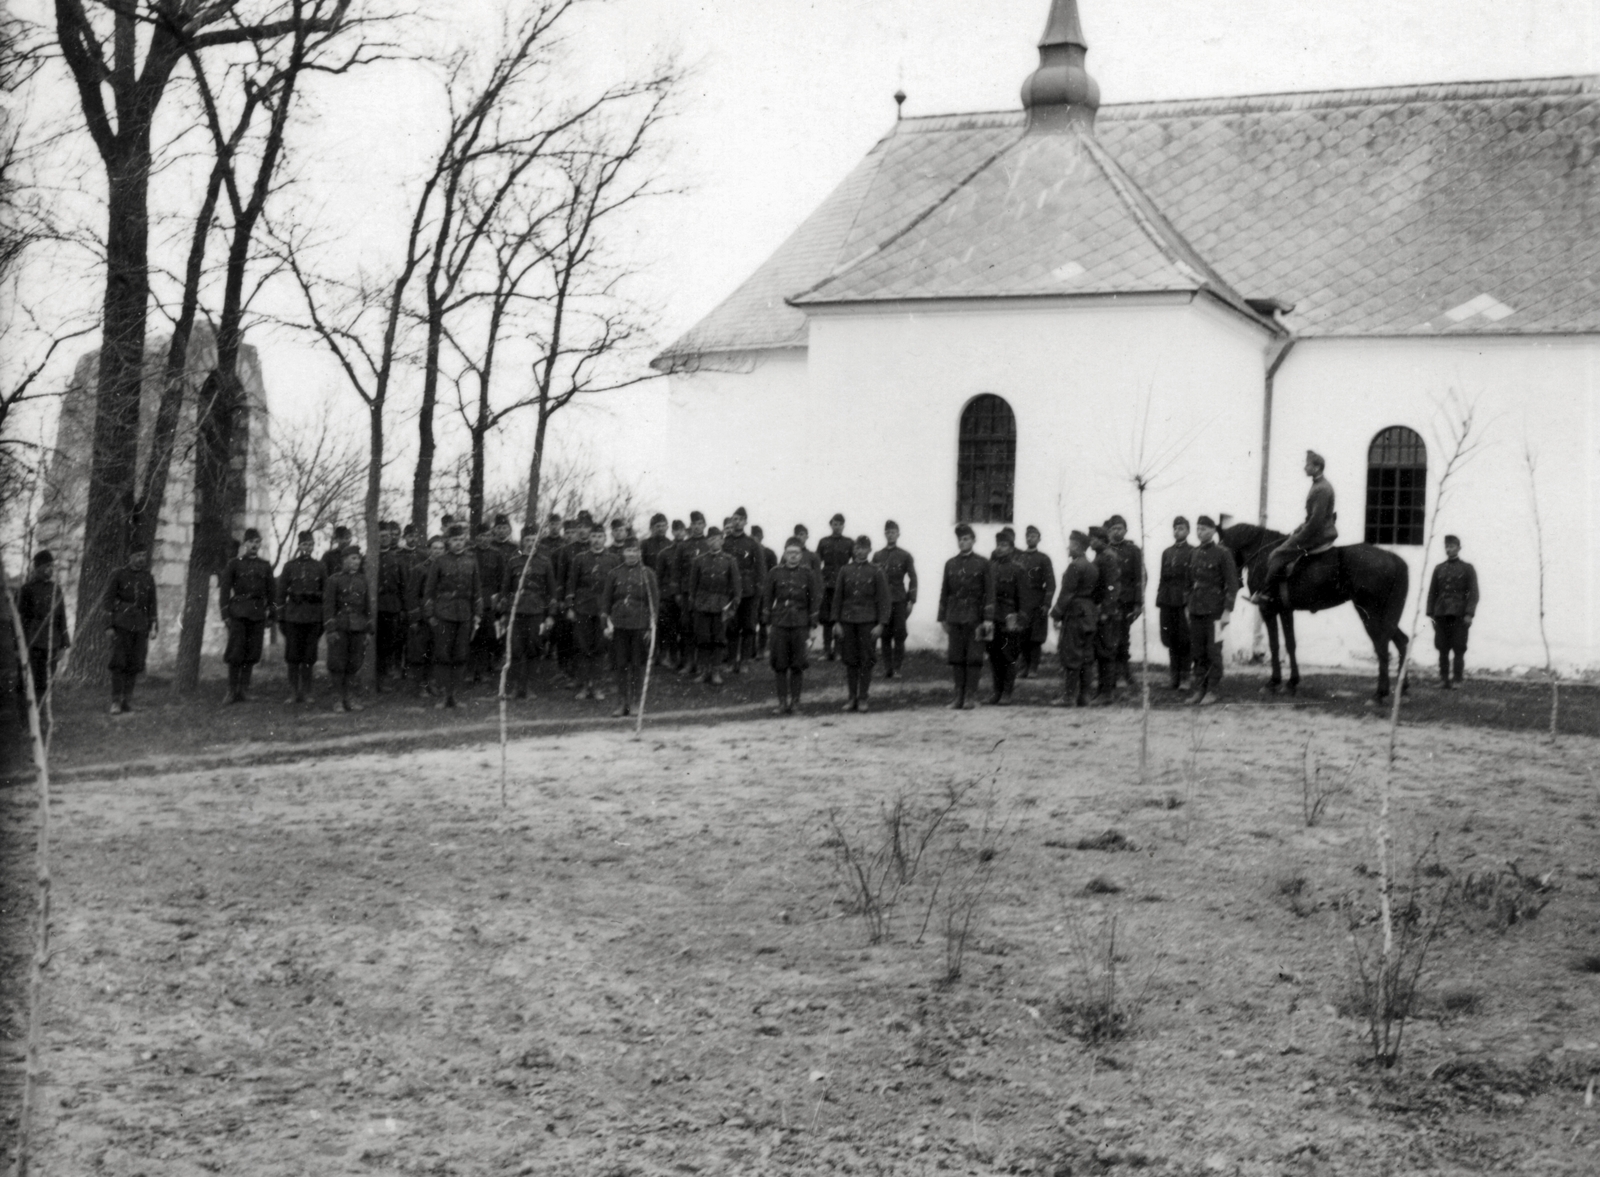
(1507, 896)
(1460, 1002)
(1166, 801)
(1097, 1006)
(1111, 840)
(877, 864)
(1318, 786)
(1294, 891)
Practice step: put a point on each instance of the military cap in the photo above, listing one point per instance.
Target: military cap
(1315, 458)
(696, 517)
(863, 541)
(435, 539)
(553, 517)
(1098, 533)
(740, 513)
(837, 518)
(1032, 530)
(757, 534)
(888, 523)
(631, 542)
(658, 517)
(456, 529)
(801, 529)
(410, 529)
(1453, 539)
(337, 532)
(1177, 519)
(1205, 521)
(251, 533)
(305, 537)
(618, 524)
(447, 521)
(713, 531)
(352, 550)
(1116, 521)
(481, 529)
(963, 529)
(1078, 537)
(502, 520)
(43, 559)
(793, 541)
(585, 519)
(1005, 535)
(677, 525)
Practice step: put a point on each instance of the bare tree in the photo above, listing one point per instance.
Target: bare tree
(318, 476)
(1531, 462)
(100, 43)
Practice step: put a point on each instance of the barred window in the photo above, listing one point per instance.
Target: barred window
(1397, 487)
(986, 469)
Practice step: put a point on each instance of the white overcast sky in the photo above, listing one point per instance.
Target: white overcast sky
(786, 96)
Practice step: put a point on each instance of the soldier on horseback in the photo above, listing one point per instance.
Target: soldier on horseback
(1317, 532)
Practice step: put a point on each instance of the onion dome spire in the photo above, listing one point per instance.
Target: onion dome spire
(1060, 93)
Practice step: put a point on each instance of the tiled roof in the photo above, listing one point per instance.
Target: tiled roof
(1458, 208)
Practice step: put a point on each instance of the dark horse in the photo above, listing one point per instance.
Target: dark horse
(1374, 580)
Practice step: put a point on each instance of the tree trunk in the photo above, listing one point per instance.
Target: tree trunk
(119, 383)
(530, 518)
(374, 494)
(475, 478)
(220, 400)
(422, 477)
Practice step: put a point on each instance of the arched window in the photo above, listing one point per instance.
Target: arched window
(986, 469)
(1397, 487)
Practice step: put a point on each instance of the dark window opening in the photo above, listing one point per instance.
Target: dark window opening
(986, 469)
(1397, 487)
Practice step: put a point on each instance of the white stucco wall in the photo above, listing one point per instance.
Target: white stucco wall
(866, 422)
(1335, 395)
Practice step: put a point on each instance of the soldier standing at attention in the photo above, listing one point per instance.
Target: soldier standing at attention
(629, 602)
(1170, 591)
(452, 599)
(713, 594)
(491, 573)
(1318, 531)
(333, 558)
(1077, 617)
(900, 570)
(246, 593)
(43, 613)
(791, 605)
(301, 585)
(1130, 597)
(532, 602)
(389, 638)
(651, 547)
(769, 561)
(348, 619)
(130, 605)
(1452, 603)
(833, 551)
(966, 610)
(419, 635)
(1213, 584)
(693, 546)
(1010, 620)
(861, 608)
(807, 556)
(752, 574)
(575, 533)
(1108, 596)
(1038, 587)
(666, 570)
(586, 577)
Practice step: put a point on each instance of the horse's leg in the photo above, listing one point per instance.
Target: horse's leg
(1401, 642)
(1288, 645)
(1380, 631)
(1270, 616)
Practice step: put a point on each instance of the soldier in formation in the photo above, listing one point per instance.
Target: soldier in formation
(131, 618)
(452, 601)
(966, 611)
(532, 603)
(1038, 588)
(1077, 617)
(791, 606)
(1452, 604)
(1208, 602)
(630, 598)
(833, 551)
(1171, 589)
(713, 593)
(43, 614)
(900, 570)
(586, 577)
(301, 586)
(1008, 617)
(347, 618)
(248, 600)
(861, 609)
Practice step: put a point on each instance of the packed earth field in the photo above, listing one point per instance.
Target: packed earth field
(912, 941)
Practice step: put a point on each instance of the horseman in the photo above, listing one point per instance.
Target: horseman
(1317, 532)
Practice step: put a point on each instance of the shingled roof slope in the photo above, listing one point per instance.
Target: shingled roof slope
(1456, 208)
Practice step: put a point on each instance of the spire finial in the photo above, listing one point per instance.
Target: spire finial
(1060, 93)
(899, 104)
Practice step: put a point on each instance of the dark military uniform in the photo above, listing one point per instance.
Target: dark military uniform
(791, 605)
(333, 560)
(1130, 602)
(861, 603)
(1108, 632)
(300, 589)
(419, 634)
(586, 577)
(1452, 604)
(667, 636)
(347, 617)
(562, 637)
(1038, 587)
(452, 599)
(1213, 583)
(486, 640)
(900, 570)
(746, 619)
(390, 635)
(44, 624)
(1011, 624)
(1319, 530)
(531, 600)
(687, 553)
(1170, 591)
(712, 589)
(630, 598)
(966, 601)
(247, 595)
(833, 553)
(769, 562)
(130, 605)
(650, 549)
(1079, 615)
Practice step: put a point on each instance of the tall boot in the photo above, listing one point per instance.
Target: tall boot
(116, 692)
(781, 678)
(624, 688)
(1082, 699)
(1105, 681)
(1444, 669)
(128, 679)
(441, 683)
(796, 681)
(958, 674)
(852, 676)
(341, 691)
(863, 685)
(233, 684)
(1461, 666)
(452, 680)
(245, 673)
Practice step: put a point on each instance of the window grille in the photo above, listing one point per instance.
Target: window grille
(1397, 487)
(987, 465)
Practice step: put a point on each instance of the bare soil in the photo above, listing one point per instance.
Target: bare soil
(645, 961)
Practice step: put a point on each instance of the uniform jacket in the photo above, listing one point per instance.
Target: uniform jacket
(666, 568)
(630, 597)
(1213, 581)
(900, 570)
(540, 597)
(1075, 604)
(1174, 582)
(300, 589)
(452, 589)
(861, 595)
(833, 552)
(1318, 529)
(1008, 591)
(1130, 573)
(811, 560)
(713, 583)
(966, 593)
(392, 566)
(1453, 592)
(792, 596)
(1038, 580)
(586, 576)
(246, 589)
(131, 600)
(344, 604)
(1108, 580)
(752, 563)
(491, 570)
(688, 552)
(43, 611)
(333, 560)
(650, 549)
(416, 578)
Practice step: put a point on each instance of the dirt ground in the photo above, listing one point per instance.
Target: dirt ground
(645, 962)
